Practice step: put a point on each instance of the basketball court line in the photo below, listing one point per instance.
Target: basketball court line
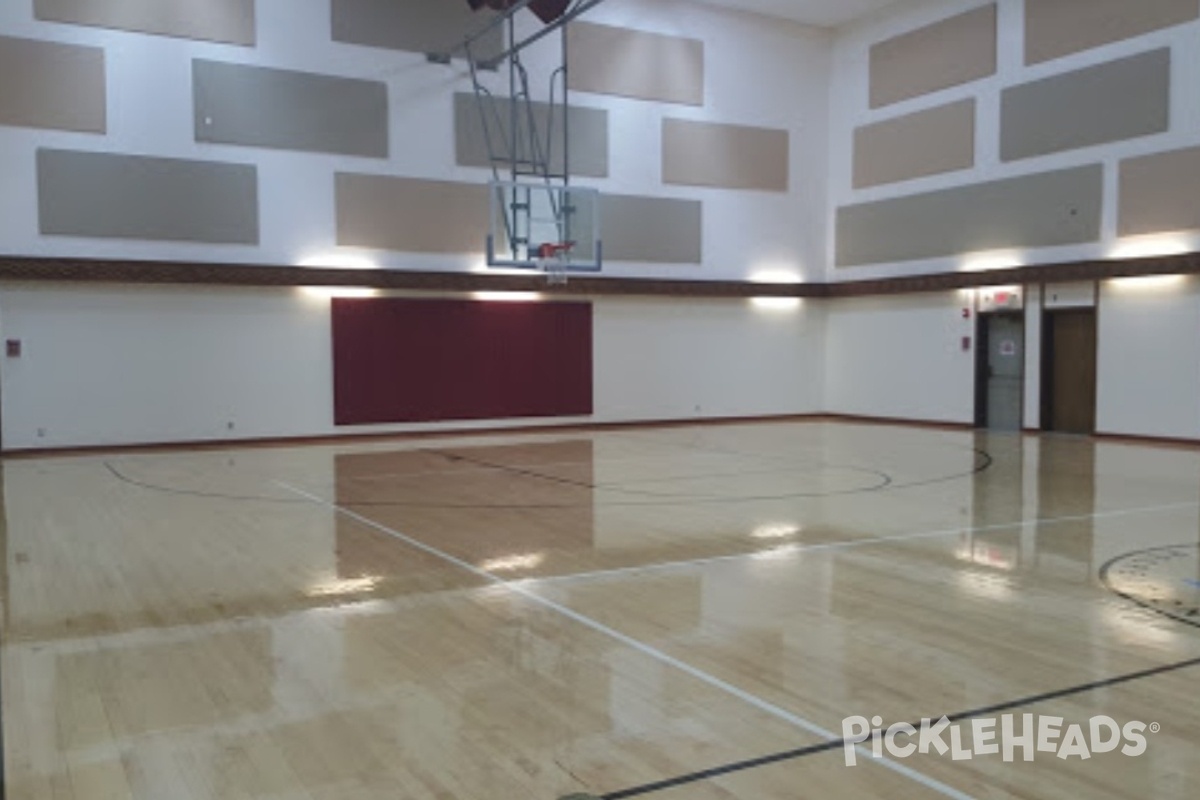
(716, 683)
(836, 744)
(852, 543)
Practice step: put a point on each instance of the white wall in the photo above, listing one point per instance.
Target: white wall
(707, 358)
(117, 365)
(901, 356)
(758, 72)
(850, 109)
(1148, 366)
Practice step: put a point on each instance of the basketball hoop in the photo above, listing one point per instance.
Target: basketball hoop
(552, 259)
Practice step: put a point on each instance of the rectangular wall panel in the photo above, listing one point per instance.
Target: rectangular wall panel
(587, 129)
(420, 26)
(262, 107)
(725, 156)
(1158, 193)
(926, 143)
(1043, 210)
(230, 21)
(652, 229)
(1055, 28)
(49, 85)
(948, 53)
(411, 215)
(135, 197)
(1107, 103)
(628, 63)
(408, 360)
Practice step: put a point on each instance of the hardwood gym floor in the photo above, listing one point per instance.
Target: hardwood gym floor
(674, 612)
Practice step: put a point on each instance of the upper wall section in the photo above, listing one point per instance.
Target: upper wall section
(418, 26)
(706, 136)
(948, 53)
(1057, 28)
(1037, 90)
(53, 86)
(631, 63)
(230, 21)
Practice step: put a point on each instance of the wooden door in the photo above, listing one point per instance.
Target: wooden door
(1071, 371)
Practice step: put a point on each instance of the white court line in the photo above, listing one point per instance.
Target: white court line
(847, 544)
(659, 655)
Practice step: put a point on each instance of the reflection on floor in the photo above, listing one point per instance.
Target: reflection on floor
(531, 616)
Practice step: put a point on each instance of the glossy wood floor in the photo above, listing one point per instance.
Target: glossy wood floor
(528, 617)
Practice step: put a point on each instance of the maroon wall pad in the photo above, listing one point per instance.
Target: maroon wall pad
(406, 360)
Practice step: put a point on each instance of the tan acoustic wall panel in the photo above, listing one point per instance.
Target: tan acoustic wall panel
(419, 26)
(276, 108)
(1055, 28)
(724, 156)
(948, 53)
(230, 21)
(652, 229)
(49, 85)
(1042, 210)
(1158, 193)
(107, 195)
(628, 63)
(411, 215)
(926, 143)
(1111, 102)
(587, 131)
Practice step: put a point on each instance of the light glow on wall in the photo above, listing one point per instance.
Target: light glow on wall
(776, 303)
(995, 259)
(338, 261)
(1148, 283)
(329, 292)
(507, 297)
(1151, 246)
(775, 275)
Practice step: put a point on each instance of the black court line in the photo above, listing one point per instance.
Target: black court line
(835, 744)
(1106, 570)
(660, 498)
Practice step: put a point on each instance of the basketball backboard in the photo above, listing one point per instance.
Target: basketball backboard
(533, 222)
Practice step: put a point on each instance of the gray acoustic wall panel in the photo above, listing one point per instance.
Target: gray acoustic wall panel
(1158, 193)
(628, 63)
(230, 21)
(420, 26)
(136, 197)
(262, 107)
(48, 85)
(1043, 210)
(926, 143)
(588, 130)
(1055, 28)
(724, 156)
(652, 229)
(1107, 103)
(955, 51)
(411, 215)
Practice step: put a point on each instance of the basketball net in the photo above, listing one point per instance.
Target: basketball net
(552, 259)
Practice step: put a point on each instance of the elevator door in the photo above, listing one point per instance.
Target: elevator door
(1004, 372)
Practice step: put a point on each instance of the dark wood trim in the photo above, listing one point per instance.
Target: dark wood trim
(258, 275)
(901, 421)
(80, 270)
(1079, 271)
(1154, 441)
